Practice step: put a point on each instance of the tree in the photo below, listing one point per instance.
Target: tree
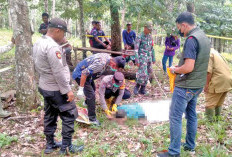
(82, 26)
(46, 6)
(115, 27)
(53, 8)
(26, 95)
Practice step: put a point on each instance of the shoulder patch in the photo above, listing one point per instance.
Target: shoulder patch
(58, 54)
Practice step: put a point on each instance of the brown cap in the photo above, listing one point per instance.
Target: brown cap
(149, 25)
(118, 78)
(58, 23)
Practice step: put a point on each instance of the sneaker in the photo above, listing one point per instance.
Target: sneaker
(96, 123)
(73, 149)
(166, 154)
(191, 151)
(84, 104)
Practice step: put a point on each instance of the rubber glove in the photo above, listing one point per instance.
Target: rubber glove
(80, 93)
(114, 108)
(108, 112)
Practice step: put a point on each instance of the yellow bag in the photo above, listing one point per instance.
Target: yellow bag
(172, 78)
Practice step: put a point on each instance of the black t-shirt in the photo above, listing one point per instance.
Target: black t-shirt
(191, 48)
(97, 33)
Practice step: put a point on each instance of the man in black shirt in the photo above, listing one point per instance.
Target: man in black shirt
(43, 27)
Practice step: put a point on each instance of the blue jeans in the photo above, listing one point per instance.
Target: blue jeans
(183, 100)
(164, 61)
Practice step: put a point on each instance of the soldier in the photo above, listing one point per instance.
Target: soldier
(50, 63)
(87, 71)
(44, 26)
(3, 49)
(112, 86)
(144, 57)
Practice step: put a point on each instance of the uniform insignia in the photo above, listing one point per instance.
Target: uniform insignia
(83, 67)
(58, 54)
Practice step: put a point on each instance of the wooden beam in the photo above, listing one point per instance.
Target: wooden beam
(127, 52)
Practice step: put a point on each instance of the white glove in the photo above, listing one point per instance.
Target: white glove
(80, 93)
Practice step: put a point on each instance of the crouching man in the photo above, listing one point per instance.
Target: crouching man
(111, 91)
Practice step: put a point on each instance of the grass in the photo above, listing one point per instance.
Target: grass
(213, 139)
(6, 140)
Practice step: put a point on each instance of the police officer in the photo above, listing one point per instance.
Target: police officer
(54, 77)
(111, 92)
(87, 71)
(144, 57)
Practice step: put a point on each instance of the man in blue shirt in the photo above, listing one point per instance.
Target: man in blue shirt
(128, 37)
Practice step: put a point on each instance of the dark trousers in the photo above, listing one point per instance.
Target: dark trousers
(109, 93)
(89, 91)
(57, 105)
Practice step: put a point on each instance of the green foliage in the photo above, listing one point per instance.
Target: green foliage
(214, 17)
(6, 140)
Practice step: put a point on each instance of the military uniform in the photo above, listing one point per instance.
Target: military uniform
(54, 77)
(144, 55)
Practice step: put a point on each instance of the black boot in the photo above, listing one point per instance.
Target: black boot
(136, 89)
(51, 144)
(73, 149)
(142, 90)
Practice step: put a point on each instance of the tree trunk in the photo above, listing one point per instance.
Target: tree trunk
(53, 8)
(46, 6)
(26, 95)
(115, 27)
(82, 27)
(137, 27)
(9, 18)
(190, 7)
(123, 15)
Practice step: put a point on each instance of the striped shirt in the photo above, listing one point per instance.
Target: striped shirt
(95, 64)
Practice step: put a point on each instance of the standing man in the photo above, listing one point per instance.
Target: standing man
(97, 41)
(111, 91)
(128, 37)
(190, 80)
(87, 71)
(3, 49)
(144, 57)
(219, 82)
(50, 63)
(44, 26)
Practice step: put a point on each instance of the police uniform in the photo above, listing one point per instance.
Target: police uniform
(108, 89)
(54, 77)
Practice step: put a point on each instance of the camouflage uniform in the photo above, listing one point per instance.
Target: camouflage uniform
(144, 56)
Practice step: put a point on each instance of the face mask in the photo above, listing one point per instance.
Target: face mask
(181, 34)
(115, 85)
(112, 69)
